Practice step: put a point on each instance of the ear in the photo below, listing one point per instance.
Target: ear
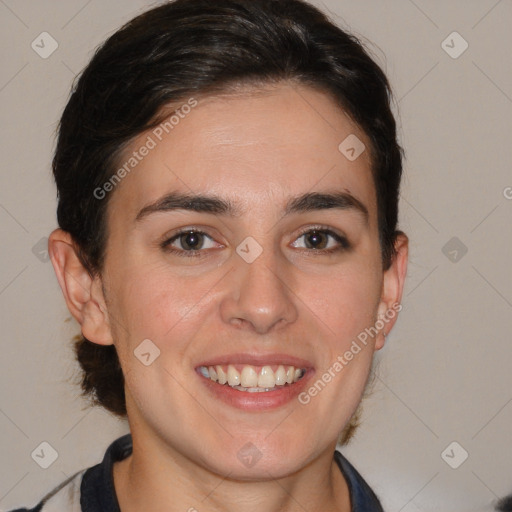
(392, 289)
(83, 293)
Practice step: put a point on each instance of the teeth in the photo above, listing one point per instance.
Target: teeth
(222, 378)
(252, 390)
(253, 379)
(233, 376)
(249, 377)
(280, 376)
(266, 378)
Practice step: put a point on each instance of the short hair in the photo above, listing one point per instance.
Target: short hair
(203, 48)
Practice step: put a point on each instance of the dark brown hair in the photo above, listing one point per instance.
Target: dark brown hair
(197, 48)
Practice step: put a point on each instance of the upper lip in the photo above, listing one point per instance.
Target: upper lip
(257, 360)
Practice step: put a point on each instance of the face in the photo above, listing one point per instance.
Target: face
(244, 246)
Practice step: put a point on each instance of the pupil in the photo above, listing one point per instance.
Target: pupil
(191, 240)
(315, 240)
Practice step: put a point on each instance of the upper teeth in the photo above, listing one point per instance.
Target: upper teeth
(253, 376)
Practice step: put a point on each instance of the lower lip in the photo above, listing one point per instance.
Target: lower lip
(259, 401)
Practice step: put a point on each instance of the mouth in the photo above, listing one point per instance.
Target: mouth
(253, 379)
(255, 382)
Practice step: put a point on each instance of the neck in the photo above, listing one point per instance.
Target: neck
(159, 479)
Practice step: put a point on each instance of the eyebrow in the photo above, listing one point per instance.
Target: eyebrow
(311, 201)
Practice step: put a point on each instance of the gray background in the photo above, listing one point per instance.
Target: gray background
(445, 374)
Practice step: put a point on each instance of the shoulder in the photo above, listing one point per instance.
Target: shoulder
(362, 497)
(92, 488)
(65, 497)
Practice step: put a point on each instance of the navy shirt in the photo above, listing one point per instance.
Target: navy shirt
(92, 489)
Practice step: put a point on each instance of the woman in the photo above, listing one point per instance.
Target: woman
(228, 179)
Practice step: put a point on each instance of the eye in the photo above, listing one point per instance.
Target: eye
(324, 240)
(189, 241)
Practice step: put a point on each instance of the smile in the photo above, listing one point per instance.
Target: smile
(253, 379)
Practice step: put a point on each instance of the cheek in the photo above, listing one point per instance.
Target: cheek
(152, 302)
(345, 301)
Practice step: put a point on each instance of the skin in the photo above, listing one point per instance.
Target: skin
(256, 149)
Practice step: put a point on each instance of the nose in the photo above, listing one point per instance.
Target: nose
(260, 294)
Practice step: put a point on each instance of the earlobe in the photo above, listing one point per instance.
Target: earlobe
(392, 289)
(82, 292)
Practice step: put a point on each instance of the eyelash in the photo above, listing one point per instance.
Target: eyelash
(344, 244)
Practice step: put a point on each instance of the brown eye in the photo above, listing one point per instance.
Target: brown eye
(189, 241)
(192, 240)
(316, 239)
(321, 240)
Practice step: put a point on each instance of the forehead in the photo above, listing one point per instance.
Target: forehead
(258, 147)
